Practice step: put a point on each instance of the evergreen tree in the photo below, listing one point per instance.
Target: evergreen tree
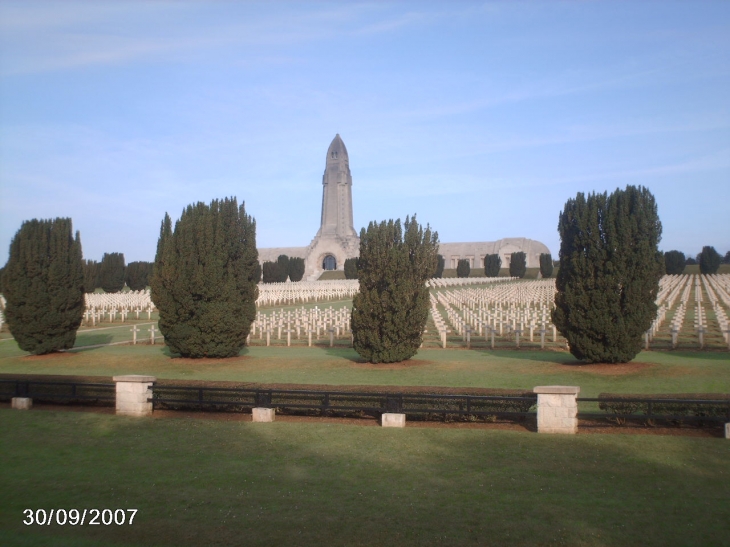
(257, 273)
(351, 268)
(709, 260)
(91, 275)
(283, 263)
(2, 283)
(674, 262)
(271, 272)
(492, 265)
(463, 268)
(204, 283)
(44, 286)
(726, 260)
(691, 261)
(609, 273)
(138, 275)
(518, 265)
(296, 268)
(440, 265)
(546, 265)
(390, 311)
(112, 272)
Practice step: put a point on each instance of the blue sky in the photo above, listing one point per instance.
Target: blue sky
(482, 118)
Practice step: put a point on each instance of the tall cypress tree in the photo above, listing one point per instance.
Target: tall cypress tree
(463, 268)
(492, 265)
(350, 268)
(137, 275)
(518, 265)
(111, 272)
(709, 260)
(271, 272)
(283, 262)
(44, 286)
(674, 262)
(296, 268)
(546, 264)
(440, 265)
(609, 273)
(91, 275)
(204, 282)
(390, 311)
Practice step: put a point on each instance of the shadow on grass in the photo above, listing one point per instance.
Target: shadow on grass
(560, 358)
(325, 484)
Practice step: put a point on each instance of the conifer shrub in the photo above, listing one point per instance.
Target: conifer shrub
(44, 286)
(518, 265)
(390, 311)
(609, 273)
(463, 268)
(204, 282)
(674, 262)
(709, 260)
(138, 274)
(283, 263)
(350, 268)
(546, 265)
(440, 265)
(112, 272)
(492, 265)
(91, 275)
(296, 268)
(271, 272)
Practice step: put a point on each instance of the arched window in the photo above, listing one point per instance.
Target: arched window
(329, 263)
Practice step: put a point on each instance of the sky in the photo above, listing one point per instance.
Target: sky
(481, 118)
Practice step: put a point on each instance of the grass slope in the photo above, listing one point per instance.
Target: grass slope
(650, 372)
(202, 482)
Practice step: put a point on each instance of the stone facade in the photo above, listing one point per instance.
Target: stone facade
(336, 240)
(475, 252)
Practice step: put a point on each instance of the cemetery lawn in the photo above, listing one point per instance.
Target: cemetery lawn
(650, 372)
(211, 482)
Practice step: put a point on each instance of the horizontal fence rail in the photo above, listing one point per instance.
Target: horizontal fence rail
(58, 391)
(619, 408)
(178, 397)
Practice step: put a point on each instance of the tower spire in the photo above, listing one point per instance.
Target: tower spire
(337, 192)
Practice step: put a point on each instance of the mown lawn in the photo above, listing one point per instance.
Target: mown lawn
(209, 482)
(650, 372)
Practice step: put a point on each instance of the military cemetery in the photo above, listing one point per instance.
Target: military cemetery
(475, 329)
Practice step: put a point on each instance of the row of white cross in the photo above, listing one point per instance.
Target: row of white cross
(505, 310)
(302, 322)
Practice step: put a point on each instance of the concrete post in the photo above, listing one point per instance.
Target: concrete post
(263, 415)
(391, 419)
(133, 390)
(21, 403)
(557, 409)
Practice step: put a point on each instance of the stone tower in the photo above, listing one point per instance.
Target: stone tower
(337, 193)
(336, 239)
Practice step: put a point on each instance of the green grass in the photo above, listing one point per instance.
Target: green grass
(204, 482)
(657, 372)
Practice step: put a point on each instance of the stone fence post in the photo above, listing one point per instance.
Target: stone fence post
(557, 409)
(133, 390)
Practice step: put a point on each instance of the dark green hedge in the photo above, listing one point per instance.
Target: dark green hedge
(623, 410)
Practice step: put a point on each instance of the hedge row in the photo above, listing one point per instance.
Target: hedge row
(673, 409)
